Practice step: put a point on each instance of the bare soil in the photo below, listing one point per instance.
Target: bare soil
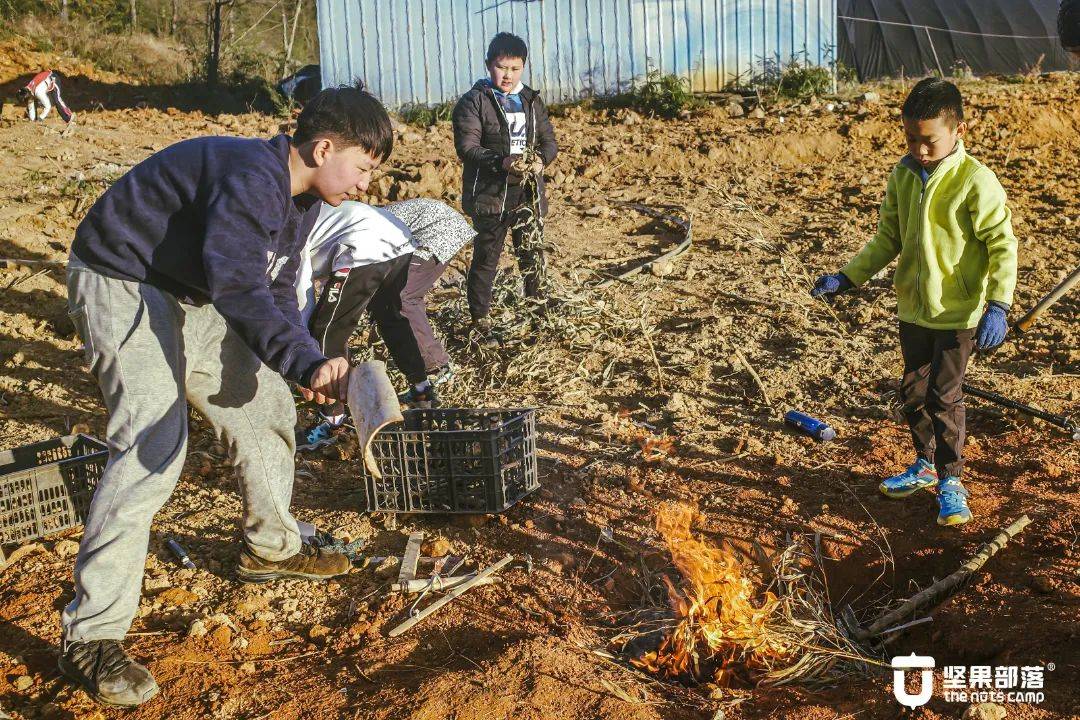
(775, 202)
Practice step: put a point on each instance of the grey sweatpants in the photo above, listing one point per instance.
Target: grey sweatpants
(151, 356)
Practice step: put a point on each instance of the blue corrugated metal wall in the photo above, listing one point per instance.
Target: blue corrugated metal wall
(428, 51)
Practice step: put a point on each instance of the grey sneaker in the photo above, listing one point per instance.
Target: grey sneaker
(107, 673)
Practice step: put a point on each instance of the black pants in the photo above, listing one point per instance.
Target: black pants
(931, 390)
(377, 289)
(487, 248)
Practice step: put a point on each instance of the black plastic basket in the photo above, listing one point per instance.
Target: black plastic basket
(46, 487)
(454, 461)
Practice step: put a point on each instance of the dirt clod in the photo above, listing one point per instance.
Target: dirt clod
(984, 711)
(1042, 584)
(435, 547)
(66, 548)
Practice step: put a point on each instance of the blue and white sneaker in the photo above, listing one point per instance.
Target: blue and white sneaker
(952, 500)
(442, 375)
(919, 475)
(423, 397)
(319, 435)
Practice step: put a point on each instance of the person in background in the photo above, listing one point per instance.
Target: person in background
(44, 89)
(439, 232)
(359, 255)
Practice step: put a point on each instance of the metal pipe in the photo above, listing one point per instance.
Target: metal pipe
(1060, 421)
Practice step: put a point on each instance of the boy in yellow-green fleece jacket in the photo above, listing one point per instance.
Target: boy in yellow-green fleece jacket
(944, 215)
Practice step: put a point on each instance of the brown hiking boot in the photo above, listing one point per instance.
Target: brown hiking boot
(107, 673)
(311, 563)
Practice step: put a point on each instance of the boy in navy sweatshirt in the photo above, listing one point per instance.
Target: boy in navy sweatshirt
(180, 283)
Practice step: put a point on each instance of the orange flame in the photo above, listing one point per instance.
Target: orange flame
(654, 448)
(721, 633)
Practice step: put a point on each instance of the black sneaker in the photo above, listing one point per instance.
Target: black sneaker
(107, 673)
(482, 333)
(426, 398)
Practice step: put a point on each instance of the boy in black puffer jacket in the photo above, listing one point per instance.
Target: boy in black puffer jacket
(493, 124)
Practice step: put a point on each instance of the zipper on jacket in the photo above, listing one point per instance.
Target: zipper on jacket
(532, 114)
(922, 246)
(506, 121)
(923, 221)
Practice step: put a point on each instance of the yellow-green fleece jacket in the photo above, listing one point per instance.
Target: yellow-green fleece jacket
(954, 238)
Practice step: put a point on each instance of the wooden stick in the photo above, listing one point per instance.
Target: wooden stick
(20, 280)
(669, 255)
(407, 571)
(1024, 324)
(945, 587)
(652, 351)
(13, 263)
(753, 373)
(686, 225)
(437, 583)
(450, 596)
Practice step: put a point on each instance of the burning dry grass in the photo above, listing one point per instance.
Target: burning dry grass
(722, 627)
(730, 630)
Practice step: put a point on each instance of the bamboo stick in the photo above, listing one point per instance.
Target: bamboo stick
(945, 587)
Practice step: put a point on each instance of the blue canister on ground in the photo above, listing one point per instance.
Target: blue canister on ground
(813, 427)
(180, 553)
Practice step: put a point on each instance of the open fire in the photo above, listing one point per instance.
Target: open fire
(723, 631)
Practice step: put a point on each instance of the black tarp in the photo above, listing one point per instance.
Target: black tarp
(888, 38)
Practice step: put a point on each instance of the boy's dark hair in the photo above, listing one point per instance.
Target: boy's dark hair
(935, 98)
(1069, 24)
(507, 45)
(348, 115)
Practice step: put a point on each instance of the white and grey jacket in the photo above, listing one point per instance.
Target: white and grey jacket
(438, 230)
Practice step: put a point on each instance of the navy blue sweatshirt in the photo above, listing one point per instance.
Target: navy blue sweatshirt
(213, 220)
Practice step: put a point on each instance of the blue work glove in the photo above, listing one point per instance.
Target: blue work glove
(828, 285)
(992, 327)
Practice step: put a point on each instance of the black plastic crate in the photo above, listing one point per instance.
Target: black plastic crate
(449, 460)
(46, 487)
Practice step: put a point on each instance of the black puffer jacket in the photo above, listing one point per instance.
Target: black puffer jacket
(1069, 24)
(482, 139)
